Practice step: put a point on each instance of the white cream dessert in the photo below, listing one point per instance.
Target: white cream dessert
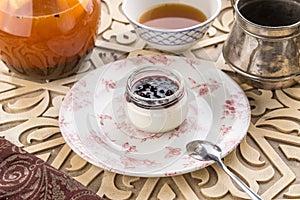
(156, 99)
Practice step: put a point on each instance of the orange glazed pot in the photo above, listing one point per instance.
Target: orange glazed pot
(47, 39)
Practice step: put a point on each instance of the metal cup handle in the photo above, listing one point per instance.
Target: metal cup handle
(233, 2)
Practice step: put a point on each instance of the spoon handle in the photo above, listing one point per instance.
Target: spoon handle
(250, 192)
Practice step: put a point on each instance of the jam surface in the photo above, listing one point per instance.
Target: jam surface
(155, 87)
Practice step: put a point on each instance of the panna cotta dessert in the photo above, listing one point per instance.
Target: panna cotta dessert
(156, 99)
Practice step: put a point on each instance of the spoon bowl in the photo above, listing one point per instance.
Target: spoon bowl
(201, 150)
(207, 151)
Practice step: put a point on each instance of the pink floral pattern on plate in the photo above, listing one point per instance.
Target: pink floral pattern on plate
(100, 132)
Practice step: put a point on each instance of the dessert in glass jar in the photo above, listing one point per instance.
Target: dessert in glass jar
(156, 99)
(47, 39)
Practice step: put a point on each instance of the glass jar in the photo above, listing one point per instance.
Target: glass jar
(47, 39)
(156, 99)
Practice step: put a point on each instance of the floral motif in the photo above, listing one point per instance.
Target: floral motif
(235, 106)
(103, 117)
(73, 138)
(135, 133)
(157, 59)
(104, 139)
(82, 83)
(109, 84)
(204, 88)
(170, 174)
(152, 137)
(128, 148)
(192, 62)
(229, 108)
(184, 128)
(172, 152)
(63, 122)
(224, 130)
(74, 100)
(131, 163)
(189, 161)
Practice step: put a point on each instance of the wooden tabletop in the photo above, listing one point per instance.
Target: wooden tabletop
(268, 159)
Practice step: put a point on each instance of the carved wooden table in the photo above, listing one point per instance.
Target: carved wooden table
(268, 159)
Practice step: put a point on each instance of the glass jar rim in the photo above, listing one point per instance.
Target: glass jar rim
(154, 103)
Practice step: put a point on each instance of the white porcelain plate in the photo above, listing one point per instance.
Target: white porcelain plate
(93, 118)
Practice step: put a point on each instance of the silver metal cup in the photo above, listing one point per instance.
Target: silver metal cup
(264, 43)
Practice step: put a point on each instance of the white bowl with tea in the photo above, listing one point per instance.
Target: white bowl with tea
(171, 25)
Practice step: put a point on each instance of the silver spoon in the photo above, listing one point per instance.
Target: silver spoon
(206, 151)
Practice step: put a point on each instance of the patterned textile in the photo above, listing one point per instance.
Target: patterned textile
(26, 177)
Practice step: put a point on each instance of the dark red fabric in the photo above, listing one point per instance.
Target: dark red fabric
(23, 176)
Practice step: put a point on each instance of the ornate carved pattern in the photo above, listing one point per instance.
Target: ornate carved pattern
(267, 159)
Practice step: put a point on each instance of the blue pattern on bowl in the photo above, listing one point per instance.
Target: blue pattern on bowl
(171, 38)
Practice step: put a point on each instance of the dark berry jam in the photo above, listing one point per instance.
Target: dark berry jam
(155, 87)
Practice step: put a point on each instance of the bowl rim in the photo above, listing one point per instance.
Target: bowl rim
(202, 24)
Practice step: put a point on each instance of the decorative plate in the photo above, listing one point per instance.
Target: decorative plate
(94, 124)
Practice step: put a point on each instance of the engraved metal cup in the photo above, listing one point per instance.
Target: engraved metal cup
(263, 49)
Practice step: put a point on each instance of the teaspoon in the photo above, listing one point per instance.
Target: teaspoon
(206, 151)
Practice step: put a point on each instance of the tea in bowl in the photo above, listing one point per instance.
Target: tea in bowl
(169, 25)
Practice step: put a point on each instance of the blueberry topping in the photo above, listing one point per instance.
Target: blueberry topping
(169, 92)
(148, 95)
(147, 85)
(155, 87)
(142, 94)
(140, 87)
(157, 96)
